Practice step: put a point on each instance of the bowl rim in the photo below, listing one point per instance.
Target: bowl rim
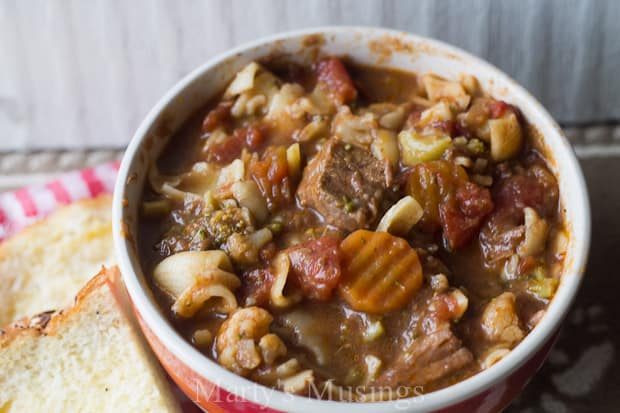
(275, 399)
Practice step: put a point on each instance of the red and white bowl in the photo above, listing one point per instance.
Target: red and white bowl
(216, 389)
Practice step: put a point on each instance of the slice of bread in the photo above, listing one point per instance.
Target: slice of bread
(44, 266)
(87, 358)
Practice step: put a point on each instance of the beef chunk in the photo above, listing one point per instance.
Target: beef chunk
(346, 184)
(429, 351)
(427, 360)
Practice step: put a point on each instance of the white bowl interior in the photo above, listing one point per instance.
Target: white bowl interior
(368, 46)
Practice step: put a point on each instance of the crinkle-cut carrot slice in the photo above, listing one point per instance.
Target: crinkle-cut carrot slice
(381, 272)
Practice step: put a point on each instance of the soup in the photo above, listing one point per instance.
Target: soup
(353, 233)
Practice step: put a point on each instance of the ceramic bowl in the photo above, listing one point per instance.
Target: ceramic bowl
(216, 389)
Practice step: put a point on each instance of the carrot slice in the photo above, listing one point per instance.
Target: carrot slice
(381, 272)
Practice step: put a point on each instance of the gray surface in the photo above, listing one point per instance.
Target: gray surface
(83, 73)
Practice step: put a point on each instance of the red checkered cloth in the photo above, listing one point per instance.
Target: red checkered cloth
(24, 206)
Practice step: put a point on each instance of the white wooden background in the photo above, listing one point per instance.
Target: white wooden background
(78, 73)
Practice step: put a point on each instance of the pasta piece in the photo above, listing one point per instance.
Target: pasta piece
(439, 112)
(493, 356)
(470, 83)
(385, 146)
(298, 383)
(354, 129)
(216, 284)
(248, 195)
(381, 272)
(293, 159)
(243, 81)
(282, 100)
(271, 347)
(401, 217)
(438, 89)
(281, 268)
(156, 209)
(315, 129)
(202, 338)
(193, 277)
(506, 138)
(536, 230)
(415, 148)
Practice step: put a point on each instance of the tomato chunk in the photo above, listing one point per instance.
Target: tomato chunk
(224, 151)
(462, 214)
(315, 267)
(217, 117)
(334, 78)
(450, 201)
(271, 174)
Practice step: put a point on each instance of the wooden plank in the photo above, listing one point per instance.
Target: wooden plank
(77, 74)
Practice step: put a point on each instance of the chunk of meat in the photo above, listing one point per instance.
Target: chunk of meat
(335, 80)
(462, 214)
(255, 287)
(224, 149)
(429, 350)
(537, 189)
(346, 185)
(450, 200)
(504, 230)
(315, 267)
(426, 360)
(238, 338)
(500, 321)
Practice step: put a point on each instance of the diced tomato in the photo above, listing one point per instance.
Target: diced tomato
(216, 117)
(256, 287)
(224, 151)
(462, 215)
(251, 135)
(229, 149)
(315, 267)
(499, 108)
(270, 173)
(450, 201)
(413, 119)
(460, 129)
(448, 126)
(334, 78)
(527, 264)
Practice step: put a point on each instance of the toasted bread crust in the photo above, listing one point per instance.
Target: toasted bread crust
(46, 323)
